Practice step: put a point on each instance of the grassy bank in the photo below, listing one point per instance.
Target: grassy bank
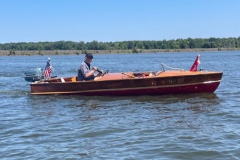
(79, 52)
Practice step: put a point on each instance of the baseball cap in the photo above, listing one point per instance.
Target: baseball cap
(89, 55)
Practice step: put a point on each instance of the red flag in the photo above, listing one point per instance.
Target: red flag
(195, 64)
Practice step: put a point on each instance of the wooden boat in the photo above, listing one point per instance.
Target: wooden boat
(130, 83)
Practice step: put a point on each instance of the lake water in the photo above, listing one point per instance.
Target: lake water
(190, 126)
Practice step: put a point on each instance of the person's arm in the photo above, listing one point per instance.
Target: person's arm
(89, 73)
(86, 72)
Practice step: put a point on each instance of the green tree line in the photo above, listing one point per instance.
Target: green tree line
(124, 45)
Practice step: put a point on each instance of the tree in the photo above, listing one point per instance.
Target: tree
(139, 45)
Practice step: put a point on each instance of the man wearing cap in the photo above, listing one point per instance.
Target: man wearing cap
(85, 72)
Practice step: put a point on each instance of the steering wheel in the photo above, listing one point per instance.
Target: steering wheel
(103, 73)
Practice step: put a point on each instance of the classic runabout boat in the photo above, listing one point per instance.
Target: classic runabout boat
(163, 82)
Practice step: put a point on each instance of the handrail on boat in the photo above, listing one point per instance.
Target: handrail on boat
(163, 69)
(162, 64)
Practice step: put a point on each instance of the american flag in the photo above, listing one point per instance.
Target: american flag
(48, 70)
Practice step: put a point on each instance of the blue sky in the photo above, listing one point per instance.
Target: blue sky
(117, 20)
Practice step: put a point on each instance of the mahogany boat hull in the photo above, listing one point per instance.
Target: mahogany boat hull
(121, 84)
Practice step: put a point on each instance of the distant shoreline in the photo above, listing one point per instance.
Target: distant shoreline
(79, 52)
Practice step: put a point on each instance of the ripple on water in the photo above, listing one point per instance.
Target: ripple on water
(190, 126)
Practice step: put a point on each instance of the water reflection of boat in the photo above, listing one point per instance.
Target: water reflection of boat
(129, 83)
(34, 75)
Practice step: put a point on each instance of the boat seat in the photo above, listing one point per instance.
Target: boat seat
(74, 79)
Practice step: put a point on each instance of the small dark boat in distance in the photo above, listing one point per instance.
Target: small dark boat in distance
(35, 75)
(130, 83)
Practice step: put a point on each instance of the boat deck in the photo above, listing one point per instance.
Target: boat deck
(131, 75)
